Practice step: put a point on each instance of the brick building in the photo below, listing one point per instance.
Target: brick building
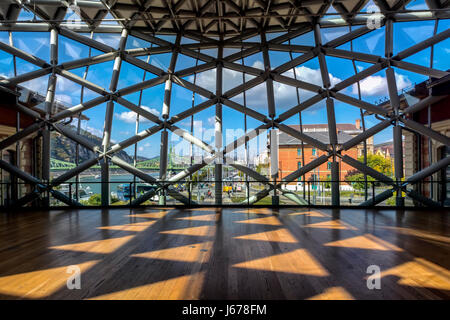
(421, 151)
(23, 154)
(27, 153)
(292, 155)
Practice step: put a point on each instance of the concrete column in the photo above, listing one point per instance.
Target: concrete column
(398, 162)
(335, 194)
(49, 100)
(397, 131)
(165, 115)
(218, 167)
(163, 164)
(105, 190)
(274, 163)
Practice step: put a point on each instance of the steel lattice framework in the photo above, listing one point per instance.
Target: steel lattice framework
(220, 24)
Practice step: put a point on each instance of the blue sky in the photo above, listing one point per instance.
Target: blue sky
(373, 89)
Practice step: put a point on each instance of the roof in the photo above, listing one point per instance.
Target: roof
(324, 126)
(9, 91)
(438, 86)
(33, 100)
(285, 139)
(228, 17)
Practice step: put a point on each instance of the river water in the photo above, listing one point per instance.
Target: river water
(92, 183)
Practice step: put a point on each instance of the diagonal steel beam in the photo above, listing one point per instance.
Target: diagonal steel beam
(139, 110)
(306, 168)
(422, 45)
(378, 198)
(142, 85)
(367, 170)
(366, 134)
(21, 134)
(248, 111)
(419, 69)
(189, 112)
(421, 175)
(301, 136)
(358, 103)
(300, 107)
(427, 132)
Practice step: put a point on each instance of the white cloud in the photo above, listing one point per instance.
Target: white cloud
(72, 50)
(286, 95)
(197, 125)
(94, 131)
(377, 85)
(66, 90)
(41, 41)
(231, 78)
(64, 99)
(130, 116)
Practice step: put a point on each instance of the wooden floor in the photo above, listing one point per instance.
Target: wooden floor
(230, 253)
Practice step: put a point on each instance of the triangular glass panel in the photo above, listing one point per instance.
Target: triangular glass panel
(134, 43)
(109, 39)
(69, 50)
(101, 73)
(35, 43)
(184, 62)
(407, 34)
(129, 75)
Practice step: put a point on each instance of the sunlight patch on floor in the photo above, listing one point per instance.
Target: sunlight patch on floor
(184, 287)
(332, 224)
(156, 215)
(41, 283)
(98, 246)
(135, 227)
(206, 217)
(196, 252)
(192, 231)
(255, 210)
(280, 235)
(366, 241)
(272, 221)
(299, 261)
(334, 293)
(307, 213)
(424, 235)
(420, 273)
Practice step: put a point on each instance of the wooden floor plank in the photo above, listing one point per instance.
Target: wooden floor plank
(225, 253)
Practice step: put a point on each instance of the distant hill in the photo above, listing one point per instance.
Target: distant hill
(152, 162)
(64, 149)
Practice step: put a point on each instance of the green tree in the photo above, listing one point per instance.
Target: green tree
(374, 161)
(94, 200)
(325, 181)
(262, 167)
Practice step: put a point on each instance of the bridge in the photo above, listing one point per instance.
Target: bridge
(59, 165)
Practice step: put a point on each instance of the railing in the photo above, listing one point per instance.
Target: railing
(139, 193)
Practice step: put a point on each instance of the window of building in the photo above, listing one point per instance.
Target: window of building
(299, 152)
(329, 165)
(313, 151)
(299, 165)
